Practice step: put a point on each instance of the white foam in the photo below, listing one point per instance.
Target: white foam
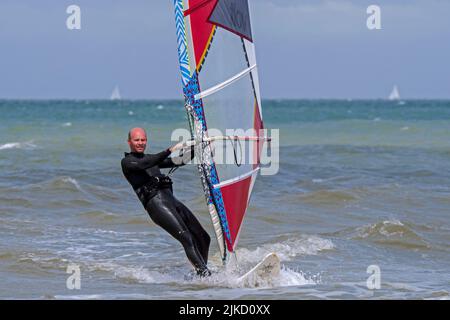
(225, 277)
(288, 249)
(320, 180)
(133, 273)
(72, 181)
(10, 145)
(18, 145)
(384, 228)
(246, 259)
(67, 124)
(231, 278)
(290, 277)
(99, 296)
(160, 107)
(393, 222)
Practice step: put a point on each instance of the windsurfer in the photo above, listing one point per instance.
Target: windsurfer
(154, 189)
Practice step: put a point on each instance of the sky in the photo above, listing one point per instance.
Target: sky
(306, 49)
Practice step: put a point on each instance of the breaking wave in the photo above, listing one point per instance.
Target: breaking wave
(18, 145)
(390, 232)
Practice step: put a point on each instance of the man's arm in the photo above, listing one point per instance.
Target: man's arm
(178, 161)
(148, 161)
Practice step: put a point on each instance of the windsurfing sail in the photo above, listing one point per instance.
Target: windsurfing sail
(222, 95)
(395, 95)
(115, 95)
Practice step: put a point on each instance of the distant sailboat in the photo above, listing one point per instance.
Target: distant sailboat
(115, 95)
(395, 95)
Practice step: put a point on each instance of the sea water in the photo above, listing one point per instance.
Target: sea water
(362, 191)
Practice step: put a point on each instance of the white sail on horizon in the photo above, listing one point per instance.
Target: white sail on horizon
(115, 95)
(395, 95)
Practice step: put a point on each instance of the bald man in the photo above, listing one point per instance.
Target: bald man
(154, 189)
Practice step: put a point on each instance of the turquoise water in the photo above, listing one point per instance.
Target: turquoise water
(360, 183)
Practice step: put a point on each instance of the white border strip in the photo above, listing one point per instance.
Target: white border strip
(224, 84)
(234, 180)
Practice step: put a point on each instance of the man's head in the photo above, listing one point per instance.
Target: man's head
(137, 140)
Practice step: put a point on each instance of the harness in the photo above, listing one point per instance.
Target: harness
(149, 190)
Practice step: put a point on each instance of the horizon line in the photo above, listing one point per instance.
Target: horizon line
(181, 99)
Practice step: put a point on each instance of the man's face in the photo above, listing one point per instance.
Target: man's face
(138, 141)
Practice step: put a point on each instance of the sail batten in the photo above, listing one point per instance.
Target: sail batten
(237, 179)
(224, 84)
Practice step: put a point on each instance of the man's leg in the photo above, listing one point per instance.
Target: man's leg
(202, 238)
(164, 213)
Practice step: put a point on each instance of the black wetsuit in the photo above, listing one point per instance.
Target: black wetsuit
(155, 192)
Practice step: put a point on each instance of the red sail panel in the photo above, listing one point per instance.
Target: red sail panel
(235, 198)
(201, 29)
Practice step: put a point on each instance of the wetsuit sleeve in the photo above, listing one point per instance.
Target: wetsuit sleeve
(146, 162)
(178, 161)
